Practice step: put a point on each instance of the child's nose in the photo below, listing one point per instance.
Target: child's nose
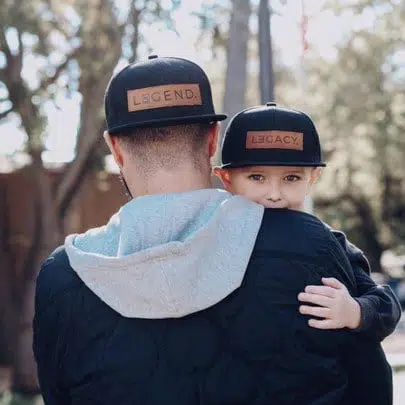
(273, 194)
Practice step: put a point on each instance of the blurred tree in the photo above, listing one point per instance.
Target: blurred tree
(236, 50)
(266, 73)
(236, 66)
(246, 48)
(361, 114)
(270, 73)
(48, 49)
(211, 16)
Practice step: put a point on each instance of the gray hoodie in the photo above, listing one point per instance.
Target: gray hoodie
(167, 256)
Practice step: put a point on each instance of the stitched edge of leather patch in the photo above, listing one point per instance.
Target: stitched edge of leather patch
(172, 95)
(275, 140)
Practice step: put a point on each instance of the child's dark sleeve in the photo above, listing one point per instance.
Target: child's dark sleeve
(380, 308)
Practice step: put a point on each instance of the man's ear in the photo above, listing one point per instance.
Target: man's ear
(213, 139)
(223, 175)
(315, 175)
(114, 145)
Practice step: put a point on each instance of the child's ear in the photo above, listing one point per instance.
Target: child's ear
(315, 174)
(223, 175)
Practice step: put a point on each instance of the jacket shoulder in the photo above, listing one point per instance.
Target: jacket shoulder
(299, 218)
(355, 255)
(292, 230)
(55, 278)
(300, 236)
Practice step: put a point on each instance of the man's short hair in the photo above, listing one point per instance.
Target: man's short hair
(157, 147)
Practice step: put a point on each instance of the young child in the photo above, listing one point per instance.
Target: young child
(272, 156)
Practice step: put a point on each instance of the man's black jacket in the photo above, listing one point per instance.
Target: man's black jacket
(254, 347)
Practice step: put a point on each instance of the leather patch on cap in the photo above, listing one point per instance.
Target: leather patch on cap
(172, 95)
(275, 140)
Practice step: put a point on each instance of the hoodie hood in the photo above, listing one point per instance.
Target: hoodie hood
(167, 256)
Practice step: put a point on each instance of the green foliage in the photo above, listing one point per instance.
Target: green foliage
(66, 45)
(211, 17)
(361, 117)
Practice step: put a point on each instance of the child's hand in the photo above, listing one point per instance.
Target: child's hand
(335, 305)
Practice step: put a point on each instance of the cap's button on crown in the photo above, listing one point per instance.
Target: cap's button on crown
(152, 56)
(271, 104)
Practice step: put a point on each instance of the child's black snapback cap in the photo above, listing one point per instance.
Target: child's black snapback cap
(158, 92)
(270, 135)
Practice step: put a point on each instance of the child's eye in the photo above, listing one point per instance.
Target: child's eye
(256, 177)
(291, 178)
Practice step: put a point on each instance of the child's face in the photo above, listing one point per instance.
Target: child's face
(271, 186)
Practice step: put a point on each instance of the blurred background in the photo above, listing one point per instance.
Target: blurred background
(342, 61)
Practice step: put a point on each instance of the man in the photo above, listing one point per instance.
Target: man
(189, 294)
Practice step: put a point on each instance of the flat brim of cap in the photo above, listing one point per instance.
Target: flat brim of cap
(192, 119)
(256, 163)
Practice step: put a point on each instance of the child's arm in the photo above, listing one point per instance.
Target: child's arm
(380, 308)
(374, 314)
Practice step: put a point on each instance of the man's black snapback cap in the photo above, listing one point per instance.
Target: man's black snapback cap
(270, 135)
(159, 92)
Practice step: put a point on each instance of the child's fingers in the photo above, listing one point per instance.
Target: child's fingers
(332, 282)
(323, 324)
(320, 312)
(321, 290)
(316, 299)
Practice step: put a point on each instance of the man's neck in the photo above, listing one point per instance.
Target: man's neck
(167, 182)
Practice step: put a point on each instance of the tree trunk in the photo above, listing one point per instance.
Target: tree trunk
(235, 81)
(44, 239)
(6, 309)
(24, 377)
(7, 318)
(265, 53)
